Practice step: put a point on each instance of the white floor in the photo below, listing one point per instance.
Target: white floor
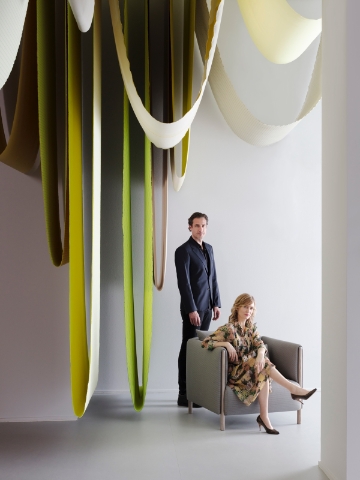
(113, 442)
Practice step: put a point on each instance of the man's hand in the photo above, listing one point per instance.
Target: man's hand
(195, 319)
(217, 312)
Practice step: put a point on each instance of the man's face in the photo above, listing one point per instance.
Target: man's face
(198, 229)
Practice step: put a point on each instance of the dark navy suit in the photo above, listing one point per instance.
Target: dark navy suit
(199, 291)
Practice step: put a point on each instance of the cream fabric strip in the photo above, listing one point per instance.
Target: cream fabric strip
(12, 18)
(278, 31)
(83, 11)
(243, 123)
(163, 135)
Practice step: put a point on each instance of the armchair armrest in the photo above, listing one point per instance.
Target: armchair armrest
(205, 375)
(287, 357)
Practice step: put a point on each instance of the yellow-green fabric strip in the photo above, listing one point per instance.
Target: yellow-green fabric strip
(23, 145)
(79, 360)
(46, 55)
(138, 393)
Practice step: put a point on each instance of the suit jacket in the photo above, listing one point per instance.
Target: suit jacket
(198, 288)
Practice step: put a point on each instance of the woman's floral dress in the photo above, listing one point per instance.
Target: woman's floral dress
(242, 376)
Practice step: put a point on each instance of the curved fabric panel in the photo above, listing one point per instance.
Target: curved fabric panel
(83, 11)
(46, 51)
(84, 374)
(23, 145)
(187, 83)
(12, 20)
(164, 135)
(138, 393)
(160, 103)
(160, 279)
(239, 118)
(96, 208)
(278, 31)
(79, 360)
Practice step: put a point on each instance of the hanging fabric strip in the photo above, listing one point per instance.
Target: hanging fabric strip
(188, 67)
(159, 282)
(83, 376)
(240, 120)
(59, 251)
(278, 31)
(138, 393)
(160, 91)
(12, 20)
(164, 135)
(83, 11)
(23, 145)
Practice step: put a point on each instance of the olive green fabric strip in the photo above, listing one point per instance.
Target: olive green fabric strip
(23, 145)
(138, 392)
(46, 53)
(188, 68)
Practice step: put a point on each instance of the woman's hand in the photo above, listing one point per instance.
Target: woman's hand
(232, 352)
(259, 361)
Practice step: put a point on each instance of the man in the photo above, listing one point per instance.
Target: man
(199, 291)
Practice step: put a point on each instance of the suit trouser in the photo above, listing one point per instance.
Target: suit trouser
(189, 331)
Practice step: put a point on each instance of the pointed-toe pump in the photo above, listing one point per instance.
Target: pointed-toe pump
(299, 398)
(271, 431)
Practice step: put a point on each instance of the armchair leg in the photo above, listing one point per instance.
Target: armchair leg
(222, 421)
(298, 416)
(190, 406)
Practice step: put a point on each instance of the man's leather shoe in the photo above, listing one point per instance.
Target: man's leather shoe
(183, 401)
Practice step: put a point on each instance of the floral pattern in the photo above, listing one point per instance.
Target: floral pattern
(243, 378)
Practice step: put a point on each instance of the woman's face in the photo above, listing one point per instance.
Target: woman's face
(245, 312)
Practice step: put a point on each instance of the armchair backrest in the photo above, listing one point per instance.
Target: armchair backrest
(287, 357)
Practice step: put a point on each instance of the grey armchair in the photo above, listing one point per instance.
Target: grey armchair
(206, 378)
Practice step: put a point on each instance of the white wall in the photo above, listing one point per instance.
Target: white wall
(264, 207)
(341, 236)
(264, 210)
(34, 346)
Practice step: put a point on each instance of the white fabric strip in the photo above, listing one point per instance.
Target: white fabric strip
(278, 31)
(163, 135)
(243, 123)
(12, 18)
(96, 209)
(83, 11)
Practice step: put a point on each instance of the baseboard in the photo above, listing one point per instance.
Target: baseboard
(64, 418)
(327, 472)
(122, 392)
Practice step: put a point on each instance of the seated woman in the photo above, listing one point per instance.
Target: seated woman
(249, 368)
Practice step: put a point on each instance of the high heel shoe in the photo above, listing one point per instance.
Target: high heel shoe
(271, 431)
(303, 397)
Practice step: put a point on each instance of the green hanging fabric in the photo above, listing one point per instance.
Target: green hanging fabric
(46, 57)
(138, 393)
(187, 83)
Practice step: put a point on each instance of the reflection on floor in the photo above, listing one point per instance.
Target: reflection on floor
(113, 442)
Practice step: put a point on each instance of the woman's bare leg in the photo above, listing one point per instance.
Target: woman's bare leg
(281, 380)
(264, 402)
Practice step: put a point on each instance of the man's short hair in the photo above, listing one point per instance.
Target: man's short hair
(197, 215)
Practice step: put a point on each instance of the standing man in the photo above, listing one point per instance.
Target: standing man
(199, 291)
